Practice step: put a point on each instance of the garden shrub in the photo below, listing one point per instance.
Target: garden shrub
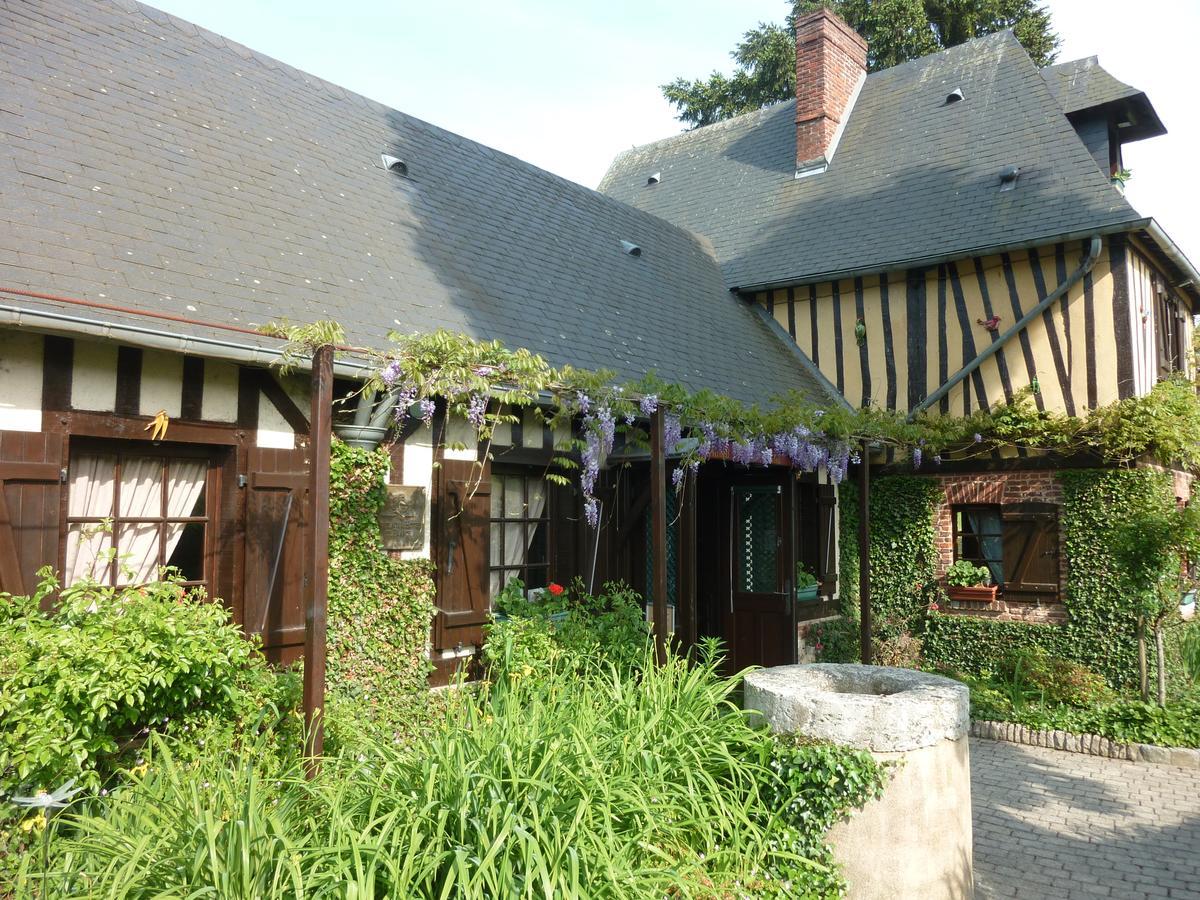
(565, 627)
(580, 783)
(974, 646)
(1056, 680)
(380, 608)
(837, 640)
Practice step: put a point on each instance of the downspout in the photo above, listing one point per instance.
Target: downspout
(996, 346)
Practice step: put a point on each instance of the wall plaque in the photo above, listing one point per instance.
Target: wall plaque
(402, 518)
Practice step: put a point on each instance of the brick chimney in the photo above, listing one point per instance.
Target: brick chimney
(831, 61)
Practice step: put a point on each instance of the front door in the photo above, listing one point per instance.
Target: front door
(759, 618)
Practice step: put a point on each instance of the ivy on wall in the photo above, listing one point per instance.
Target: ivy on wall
(903, 551)
(380, 608)
(1101, 620)
(1101, 627)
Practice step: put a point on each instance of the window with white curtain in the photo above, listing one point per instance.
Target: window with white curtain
(152, 508)
(519, 531)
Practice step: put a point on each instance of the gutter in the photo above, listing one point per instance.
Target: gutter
(924, 262)
(1086, 266)
(161, 339)
(1171, 250)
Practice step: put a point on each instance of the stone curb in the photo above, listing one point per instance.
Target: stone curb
(1091, 744)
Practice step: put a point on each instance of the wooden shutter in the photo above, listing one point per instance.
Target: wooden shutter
(827, 562)
(1030, 554)
(31, 495)
(460, 511)
(277, 517)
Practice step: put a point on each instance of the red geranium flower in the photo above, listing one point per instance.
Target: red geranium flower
(555, 589)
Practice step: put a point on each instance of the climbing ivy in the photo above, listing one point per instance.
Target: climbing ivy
(1101, 618)
(1101, 627)
(903, 552)
(380, 608)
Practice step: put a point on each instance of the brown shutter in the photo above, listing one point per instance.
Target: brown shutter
(1031, 554)
(460, 511)
(277, 516)
(827, 562)
(31, 495)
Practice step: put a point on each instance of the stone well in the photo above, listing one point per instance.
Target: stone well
(915, 841)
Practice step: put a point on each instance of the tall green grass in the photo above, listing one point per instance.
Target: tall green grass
(595, 785)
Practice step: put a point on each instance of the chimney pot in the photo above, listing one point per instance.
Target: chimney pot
(831, 62)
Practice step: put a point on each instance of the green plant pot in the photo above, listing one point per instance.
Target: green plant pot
(808, 593)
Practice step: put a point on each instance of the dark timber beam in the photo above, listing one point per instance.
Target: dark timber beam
(864, 554)
(658, 530)
(318, 558)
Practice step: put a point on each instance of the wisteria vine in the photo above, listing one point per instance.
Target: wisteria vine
(487, 384)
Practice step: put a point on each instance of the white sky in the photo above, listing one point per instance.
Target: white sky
(567, 85)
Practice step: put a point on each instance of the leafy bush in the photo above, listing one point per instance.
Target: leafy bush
(568, 627)
(579, 783)
(106, 667)
(965, 573)
(836, 641)
(1056, 680)
(974, 646)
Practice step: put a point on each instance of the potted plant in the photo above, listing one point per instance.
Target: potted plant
(807, 585)
(967, 581)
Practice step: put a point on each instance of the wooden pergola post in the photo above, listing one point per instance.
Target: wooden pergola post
(319, 431)
(658, 530)
(864, 554)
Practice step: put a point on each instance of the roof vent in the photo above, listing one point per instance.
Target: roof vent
(394, 164)
(631, 248)
(954, 96)
(654, 179)
(1008, 177)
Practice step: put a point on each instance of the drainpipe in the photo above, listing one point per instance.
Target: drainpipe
(371, 421)
(1084, 267)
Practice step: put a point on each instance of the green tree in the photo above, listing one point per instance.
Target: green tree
(897, 30)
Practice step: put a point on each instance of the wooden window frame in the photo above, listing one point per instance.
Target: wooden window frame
(958, 534)
(507, 572)
(213, 492)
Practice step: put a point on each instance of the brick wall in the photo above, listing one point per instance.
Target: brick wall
(1002, 488)
(831, 58)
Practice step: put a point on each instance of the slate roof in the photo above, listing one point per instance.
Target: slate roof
(152, 164)
(1083, 84)
(912, 180)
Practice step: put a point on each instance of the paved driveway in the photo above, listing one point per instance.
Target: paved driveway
(1056, 825)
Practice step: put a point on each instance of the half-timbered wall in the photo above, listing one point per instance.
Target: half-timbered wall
(62, 398)
(1160, 325)
(922, 325)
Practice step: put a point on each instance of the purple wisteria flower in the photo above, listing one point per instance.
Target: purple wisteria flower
(476, 410)
(608, 428)
(937, 460)
(390, 372)
(648, 404)
(677, 477)
(916, 457)
(591, 511)
(404, 399)
(673, 431)
(426, 408)
(584, 402)
(978, 438)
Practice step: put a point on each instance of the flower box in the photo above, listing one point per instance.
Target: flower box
(980, 593)
(808, 593)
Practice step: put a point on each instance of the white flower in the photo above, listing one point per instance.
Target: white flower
(57, 799)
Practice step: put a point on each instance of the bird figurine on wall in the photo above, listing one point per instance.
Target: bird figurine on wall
(992, 324)
(860, 332)
(158, 426)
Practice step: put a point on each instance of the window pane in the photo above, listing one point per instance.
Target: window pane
(188, 555)
(497, 498)
(85, 546)
(496, 539)
(968, 547)
(495, 584)
(137, 552)
(141, 487)
(514, 497)
(757, 539)
(536, 578)
(92, 481)
(536, 549)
